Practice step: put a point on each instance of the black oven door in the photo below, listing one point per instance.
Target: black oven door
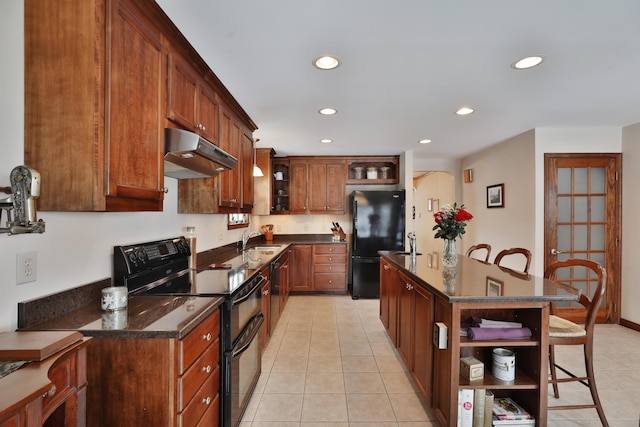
(243, 365)
(244, 307)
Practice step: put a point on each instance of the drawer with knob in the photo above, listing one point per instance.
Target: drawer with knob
(206, 399)
(202, 369)
(192, 346)
(65, 377)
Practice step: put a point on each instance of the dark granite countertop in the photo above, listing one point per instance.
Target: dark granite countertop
(234, 252)
(154, 316)
(475, 281)
(144, 317)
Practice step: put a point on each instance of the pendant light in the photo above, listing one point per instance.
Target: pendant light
(256, 169)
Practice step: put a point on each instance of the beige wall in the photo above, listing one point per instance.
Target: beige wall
(630, 223)
(440, 187)
(511, 163)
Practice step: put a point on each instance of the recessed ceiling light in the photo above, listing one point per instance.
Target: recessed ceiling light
(464, 111)
(327, 111)
(528, 62)
(424, 141)
(326, 141)
(326, 62)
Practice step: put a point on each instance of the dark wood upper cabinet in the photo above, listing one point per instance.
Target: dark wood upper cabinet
(94, 155)
(192, 102)
(103, 78)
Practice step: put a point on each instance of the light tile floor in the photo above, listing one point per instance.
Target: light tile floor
(330, 363)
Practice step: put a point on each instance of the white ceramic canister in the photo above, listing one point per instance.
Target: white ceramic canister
(504, 364)
(279, 176)
(372, 173)
(114, 298)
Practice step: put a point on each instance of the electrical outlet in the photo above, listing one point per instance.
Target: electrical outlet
(220, 235)
(26, 267)
(278, 228)
(306, 227)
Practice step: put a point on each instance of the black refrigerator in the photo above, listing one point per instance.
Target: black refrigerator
(378, 223)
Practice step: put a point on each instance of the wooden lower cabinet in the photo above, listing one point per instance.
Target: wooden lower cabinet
(56, 387)
(330, 267)
(285, 277)
(156, 381)
(265, 333)
(388, 299)
(319, 267)
(302, 268)
(414, 331)
(422, 335)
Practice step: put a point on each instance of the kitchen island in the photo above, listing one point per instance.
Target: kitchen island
(424, 308)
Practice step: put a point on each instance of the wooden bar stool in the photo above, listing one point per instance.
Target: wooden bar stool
(514, 251)
(565, 332)
(480, 246)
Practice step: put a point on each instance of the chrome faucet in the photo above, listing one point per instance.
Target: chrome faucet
(246, 236)
(412, 243)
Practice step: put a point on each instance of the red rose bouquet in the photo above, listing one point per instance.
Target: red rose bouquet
(451, 221)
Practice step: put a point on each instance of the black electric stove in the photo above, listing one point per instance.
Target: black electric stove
(162, 268)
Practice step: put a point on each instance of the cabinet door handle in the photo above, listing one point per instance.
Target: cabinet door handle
(386, 267)
(51, 391)
(206, 400)
(207, 337)
(206, 369)
(164, 190)
(265, 292)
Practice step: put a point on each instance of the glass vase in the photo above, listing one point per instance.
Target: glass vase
(449, 254)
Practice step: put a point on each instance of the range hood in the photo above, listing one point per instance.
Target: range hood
(188, 155)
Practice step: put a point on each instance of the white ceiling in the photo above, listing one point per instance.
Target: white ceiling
(407, 65)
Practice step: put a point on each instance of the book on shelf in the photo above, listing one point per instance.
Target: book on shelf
(465, 407)
(513, 423)
(488, 409)
(478, 407)
(505, 408)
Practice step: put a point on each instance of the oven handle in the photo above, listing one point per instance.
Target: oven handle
(248, 294)
(247, 337)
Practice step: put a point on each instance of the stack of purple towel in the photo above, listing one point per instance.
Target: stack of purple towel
(485, 329)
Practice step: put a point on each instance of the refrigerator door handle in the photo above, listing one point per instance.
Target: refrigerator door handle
(355, 225)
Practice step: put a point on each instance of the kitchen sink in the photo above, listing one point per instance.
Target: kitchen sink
(265, 248)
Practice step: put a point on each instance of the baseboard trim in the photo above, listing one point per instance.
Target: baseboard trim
(630, 325)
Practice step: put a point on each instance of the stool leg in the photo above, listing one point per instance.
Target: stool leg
(588, 361)
(552, 367)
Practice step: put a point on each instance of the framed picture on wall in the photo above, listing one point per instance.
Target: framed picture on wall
(494, 287)
(495, 196)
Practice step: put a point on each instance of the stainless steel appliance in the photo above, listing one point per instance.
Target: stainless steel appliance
(378, 224)
(25, 189)
(162, 268)
(188, 155)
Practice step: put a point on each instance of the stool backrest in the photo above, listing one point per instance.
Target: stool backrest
(515, 251)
